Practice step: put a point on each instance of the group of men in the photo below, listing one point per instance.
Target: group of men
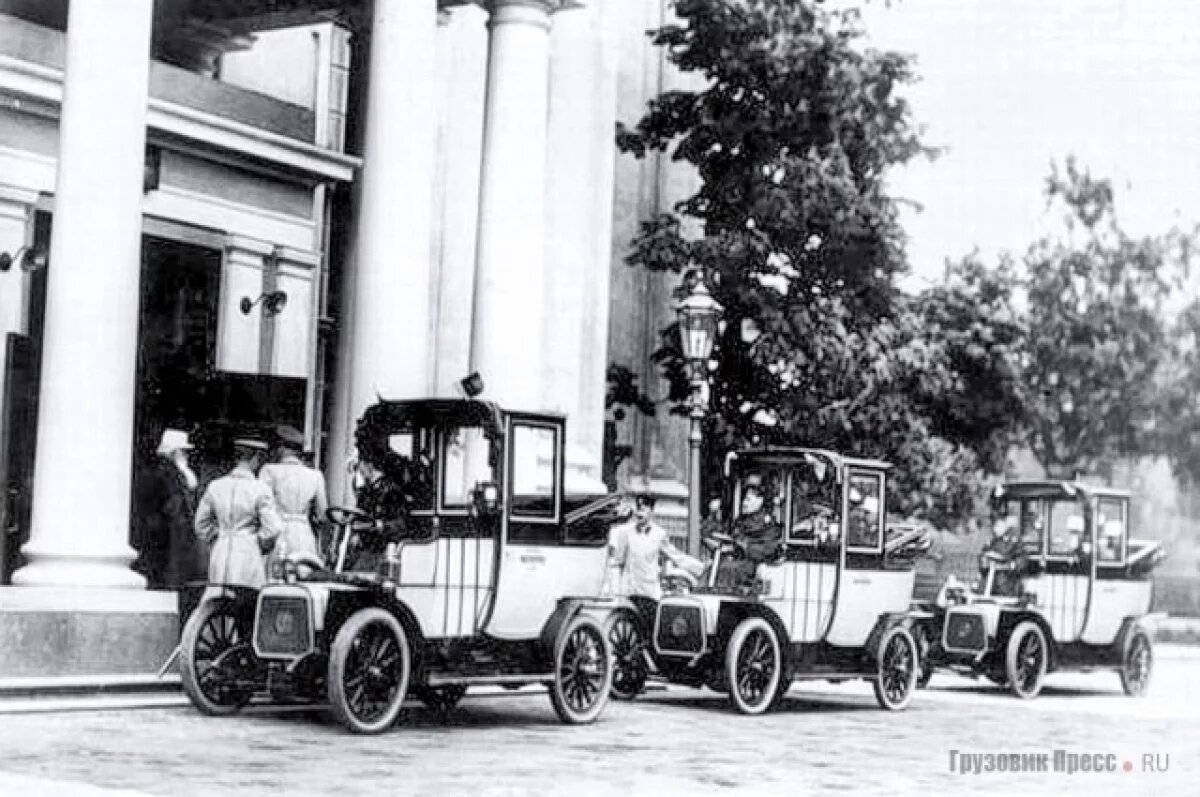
(256, 511)
(639, 548)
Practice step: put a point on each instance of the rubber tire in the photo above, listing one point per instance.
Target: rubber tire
(740, 634)
(338, 699)
(558, 698)
(891, 635)
(1131, 688)
(187, 662)
(1018, 635)
(638, 681)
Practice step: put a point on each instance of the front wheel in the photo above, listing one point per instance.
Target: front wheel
(369, 668)
(898, 669)
(217, 665)
(753, 666)
(1137, 664)
(1025, 661)
(583, 672)
(628, 645)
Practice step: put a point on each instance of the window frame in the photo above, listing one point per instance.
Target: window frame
(556, 429)
(881, 514)
(1123, 549)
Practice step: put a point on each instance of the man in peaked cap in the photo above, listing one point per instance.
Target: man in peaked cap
(756, 535)
(238, 520)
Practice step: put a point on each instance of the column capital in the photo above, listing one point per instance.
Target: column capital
(546, 6)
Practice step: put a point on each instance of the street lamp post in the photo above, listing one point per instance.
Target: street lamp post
(699, 315)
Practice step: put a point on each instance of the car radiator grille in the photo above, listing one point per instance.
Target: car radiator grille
(964, 632)
(680, 629)
(283, 627)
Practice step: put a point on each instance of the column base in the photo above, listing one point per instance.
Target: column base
(56, 570)
(54, 632)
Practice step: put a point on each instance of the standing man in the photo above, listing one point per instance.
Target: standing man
(299, 494)
(238, 520)
(169, 554)
(636, 549)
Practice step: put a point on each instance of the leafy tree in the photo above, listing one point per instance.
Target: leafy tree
(1097, 340)
(792, 137)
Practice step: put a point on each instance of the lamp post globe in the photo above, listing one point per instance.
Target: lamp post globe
(699, 317)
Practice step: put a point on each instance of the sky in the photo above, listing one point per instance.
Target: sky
(1008, 86)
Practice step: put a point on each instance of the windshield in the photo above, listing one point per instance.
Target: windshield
(816, 508)
(466, 462)
(761, 490)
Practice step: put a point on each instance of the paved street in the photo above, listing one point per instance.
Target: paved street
(680, 741)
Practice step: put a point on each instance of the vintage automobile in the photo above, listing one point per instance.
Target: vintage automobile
(479, 572)
(833, 603)
(1070, 592)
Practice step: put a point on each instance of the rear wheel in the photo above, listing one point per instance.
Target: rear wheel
(217, 664)
(898, 668)
(753, 666)
(1026, 659)
(1137, 663)
(369, 668)
(628, 644)
(583, 671)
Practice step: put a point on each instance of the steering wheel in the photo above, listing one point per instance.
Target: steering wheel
(357, 519)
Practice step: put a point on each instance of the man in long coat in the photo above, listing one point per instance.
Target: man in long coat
(238, 520)
(756, 535)
(299, 494)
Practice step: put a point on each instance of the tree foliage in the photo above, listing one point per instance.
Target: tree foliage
(792, 136)
(1098, 343)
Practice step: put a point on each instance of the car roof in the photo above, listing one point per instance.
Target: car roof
(385, 416)
(1057, 488)
(785, 453)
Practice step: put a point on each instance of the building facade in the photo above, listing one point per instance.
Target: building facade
(222, 214)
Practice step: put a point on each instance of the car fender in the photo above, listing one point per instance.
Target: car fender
(1128, 626)
(1008, 620)
(734, 612)
(888, 621)
(345, 602)
(567, 608)
(193, 593)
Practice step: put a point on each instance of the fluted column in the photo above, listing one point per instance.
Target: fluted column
(578, 224)
(506, 341)
(464, 37)
(385, 314)
(85, 421)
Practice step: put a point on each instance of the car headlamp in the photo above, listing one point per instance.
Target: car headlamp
(679, 626)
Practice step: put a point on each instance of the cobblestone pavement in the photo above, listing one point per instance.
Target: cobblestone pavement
(824, 738)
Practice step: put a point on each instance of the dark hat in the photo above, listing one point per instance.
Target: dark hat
(290, 436)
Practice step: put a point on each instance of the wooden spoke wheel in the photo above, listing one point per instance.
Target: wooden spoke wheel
(753, 666)
(898, 669)
(1137, 664)
(628, 644)
(583, 671)
(369, 669)
(1026, 659)
(217, 664)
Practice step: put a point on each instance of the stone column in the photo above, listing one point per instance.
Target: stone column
(579, 224)
(385, 314)
(85, 422)
(506, 341)
(456, 226)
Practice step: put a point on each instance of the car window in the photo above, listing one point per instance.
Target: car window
(1067, 528)
(864, 523)
(534, 466)
(1111, 530)
(815, 509)
(465, 463)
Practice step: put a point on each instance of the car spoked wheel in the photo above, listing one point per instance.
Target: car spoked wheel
(442, 699)
(583, 672)
(899, 668)
(1137, 664)
(1026, 660)
(369, 668)
(217, 665)
(753, 666)
(628, 646)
